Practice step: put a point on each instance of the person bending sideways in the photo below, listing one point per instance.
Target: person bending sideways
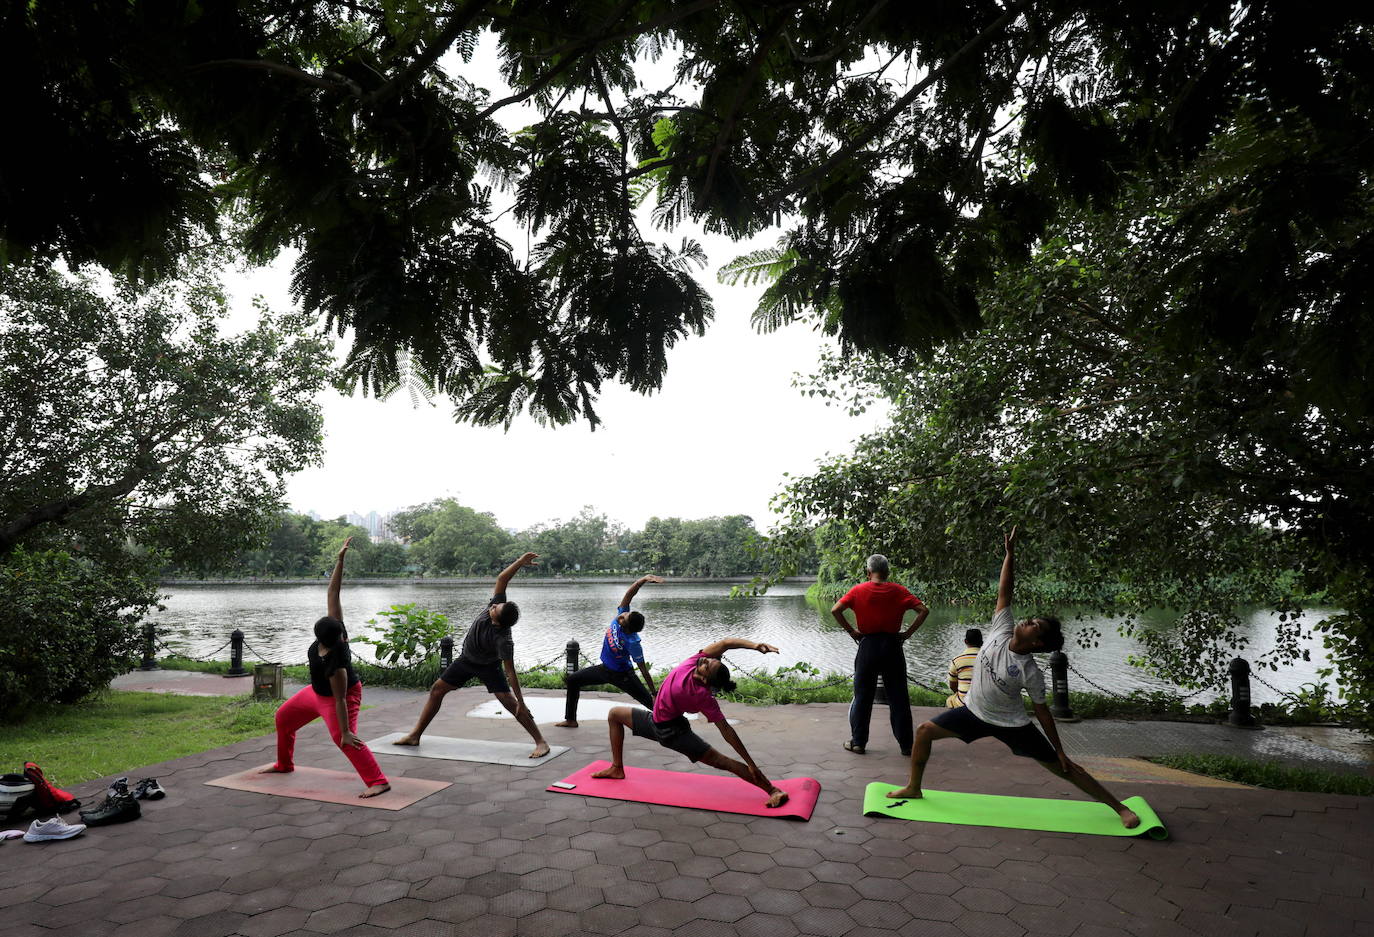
(878, 607)
(618, 648)
(993, 706)
(691, 688)
(335, 695)
(488, 655)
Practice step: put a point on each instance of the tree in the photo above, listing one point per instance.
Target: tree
(447, 537)
(1152, 463)
(127, 418)
(130, 430)
(918, 151)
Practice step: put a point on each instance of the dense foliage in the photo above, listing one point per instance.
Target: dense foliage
(445, 538)
(919, 149)
(1148, 470)
(69, 626)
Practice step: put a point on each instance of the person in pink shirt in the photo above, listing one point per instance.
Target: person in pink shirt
(691, 688)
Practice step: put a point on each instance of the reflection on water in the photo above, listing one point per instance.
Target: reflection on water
(277, 620)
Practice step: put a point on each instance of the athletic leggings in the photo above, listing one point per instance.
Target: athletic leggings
(307, 706)
(880, 655)
(600, 673)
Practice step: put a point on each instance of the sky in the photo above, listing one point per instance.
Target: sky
(718, 439)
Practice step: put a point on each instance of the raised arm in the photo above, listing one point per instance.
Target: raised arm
(333, 608)
(736, 644)
(1004, 584)
(504, 579)
(631, 592)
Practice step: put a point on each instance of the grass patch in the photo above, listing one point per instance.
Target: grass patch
(118, 732)
(1269, 774)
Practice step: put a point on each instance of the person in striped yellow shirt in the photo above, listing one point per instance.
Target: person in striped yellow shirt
(961, 668)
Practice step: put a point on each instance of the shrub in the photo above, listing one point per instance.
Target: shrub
(69, 626)
(411, 634)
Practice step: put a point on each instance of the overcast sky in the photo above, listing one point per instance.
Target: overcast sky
(718, 438)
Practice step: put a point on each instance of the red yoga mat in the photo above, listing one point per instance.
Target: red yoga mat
(723, 792)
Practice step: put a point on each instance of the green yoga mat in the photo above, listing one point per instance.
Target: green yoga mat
(1017, 813)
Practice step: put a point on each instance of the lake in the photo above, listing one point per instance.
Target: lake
(276, 620)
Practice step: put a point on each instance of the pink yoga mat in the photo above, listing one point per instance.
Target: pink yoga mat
(723, 792)
(331, 787)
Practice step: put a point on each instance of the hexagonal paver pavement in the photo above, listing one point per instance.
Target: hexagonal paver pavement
(495, 855)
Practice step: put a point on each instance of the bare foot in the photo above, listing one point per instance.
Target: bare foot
(1128, 818)
(613, 773)
(375, 789)
(540, 750)
(906, 792)
(411, 739)
(273, 769)
(567, 724)
(778, 798)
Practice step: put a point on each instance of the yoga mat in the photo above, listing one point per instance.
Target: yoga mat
(514, 754)
(548, 709)
(723, 792)
(330, 787)
(1017, 813)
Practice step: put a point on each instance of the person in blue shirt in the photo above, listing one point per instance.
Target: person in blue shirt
(618, 648)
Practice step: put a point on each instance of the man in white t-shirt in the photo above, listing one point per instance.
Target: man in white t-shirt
(993, 705)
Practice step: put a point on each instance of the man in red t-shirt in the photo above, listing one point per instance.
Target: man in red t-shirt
(878, 607)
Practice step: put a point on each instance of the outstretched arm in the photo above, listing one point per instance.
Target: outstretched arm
(1042, 712)
(648, 678)
(728, 733)
(1008, 573)
(634, 589)
(509, 572)
(333, 608)
(736, 644)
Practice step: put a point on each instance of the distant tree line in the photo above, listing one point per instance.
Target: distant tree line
(446, 538)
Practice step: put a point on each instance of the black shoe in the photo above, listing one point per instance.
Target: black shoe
(906, 753)
(116, 809)
(119, 787)
(149, 789)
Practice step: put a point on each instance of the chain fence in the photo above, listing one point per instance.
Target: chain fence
(765, 677)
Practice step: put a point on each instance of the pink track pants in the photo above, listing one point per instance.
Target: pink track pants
(307, 706)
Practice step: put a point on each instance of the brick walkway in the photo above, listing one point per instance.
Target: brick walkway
(496, 855)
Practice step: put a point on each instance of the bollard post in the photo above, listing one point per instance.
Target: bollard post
(573, 649)
(1241, 716)
(880, 693)
(236, 655)
(445, 653)
(149, 637)
(1059, 688)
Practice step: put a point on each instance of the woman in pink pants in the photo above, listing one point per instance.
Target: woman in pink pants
(335, 694)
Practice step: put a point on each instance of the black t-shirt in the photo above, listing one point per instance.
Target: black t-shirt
(322, 668)
(487, 643)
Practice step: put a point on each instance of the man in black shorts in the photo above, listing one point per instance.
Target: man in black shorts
(993, 705)
(488, 649)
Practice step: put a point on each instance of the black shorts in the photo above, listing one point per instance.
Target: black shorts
(1026, 740)
(461, 672)
(676, 733)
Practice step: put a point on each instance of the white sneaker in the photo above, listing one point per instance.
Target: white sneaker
(42, 830)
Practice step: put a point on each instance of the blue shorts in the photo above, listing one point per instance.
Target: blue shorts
(1026, 740)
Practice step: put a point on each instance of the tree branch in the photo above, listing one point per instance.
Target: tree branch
(864, 138)
(462, 18)
(331, 81)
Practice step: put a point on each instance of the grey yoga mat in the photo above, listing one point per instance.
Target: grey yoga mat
(514, 754)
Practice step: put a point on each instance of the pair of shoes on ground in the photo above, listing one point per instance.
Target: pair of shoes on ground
(144, 789)
(56, 828)
(120, 804)
(31, 790)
